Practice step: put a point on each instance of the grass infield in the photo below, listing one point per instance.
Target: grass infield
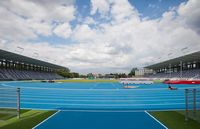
(175, 120)
(28, 119)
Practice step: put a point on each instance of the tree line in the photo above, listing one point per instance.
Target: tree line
(68, 74)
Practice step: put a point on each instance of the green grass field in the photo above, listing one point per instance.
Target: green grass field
(158, 81)
(191, 114)
(175, 120)
(28, 119)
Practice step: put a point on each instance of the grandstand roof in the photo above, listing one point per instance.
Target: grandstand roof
(193, 57)
(24, 59)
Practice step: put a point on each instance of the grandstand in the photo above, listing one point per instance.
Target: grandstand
(18, 67)
(186, 67)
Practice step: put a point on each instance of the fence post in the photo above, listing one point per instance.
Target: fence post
(194, 103)
(18, 103)
(186, 104)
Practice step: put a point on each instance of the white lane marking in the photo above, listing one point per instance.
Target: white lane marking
(150, 89)
(99, 100)
(46, 119)
(156, 120)
(133, 105)
(102, 110)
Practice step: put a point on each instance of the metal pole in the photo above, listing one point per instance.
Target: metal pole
(170, 70)
(194, 102)
(186, 104)
(18, 103)
(181, 70)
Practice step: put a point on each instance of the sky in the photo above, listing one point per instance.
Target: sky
(100, 36)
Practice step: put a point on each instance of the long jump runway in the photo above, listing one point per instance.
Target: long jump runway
(100, 120)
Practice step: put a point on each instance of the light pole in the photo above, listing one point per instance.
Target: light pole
(170, 66)
(183, 50)
(170, 71)
(181, 69)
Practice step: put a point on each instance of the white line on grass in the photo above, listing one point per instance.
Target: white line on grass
(46, 119)
(156, 120)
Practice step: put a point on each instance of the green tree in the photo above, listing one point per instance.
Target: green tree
(132, 72)
(64, 72)
(75, 75)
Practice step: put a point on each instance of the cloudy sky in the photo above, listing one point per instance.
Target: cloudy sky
(100, 36)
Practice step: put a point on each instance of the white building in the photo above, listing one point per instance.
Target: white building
(143, 71)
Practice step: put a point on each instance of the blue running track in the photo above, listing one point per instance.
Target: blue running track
(75, 101)
(100, 120)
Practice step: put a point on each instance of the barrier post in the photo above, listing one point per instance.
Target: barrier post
(186, 104)
(18, 103)
(194, 103)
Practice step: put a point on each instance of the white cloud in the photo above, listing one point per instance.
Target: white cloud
(100, 6)
(63, 13)
(41, 10)
(63, 30)
(126, 41)
(26, 19)
(189, 12)
(41, 28)
(83, 33)
(89, 20)
(123, 10)
(13, 27)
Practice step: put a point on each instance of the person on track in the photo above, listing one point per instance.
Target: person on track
(172, 88)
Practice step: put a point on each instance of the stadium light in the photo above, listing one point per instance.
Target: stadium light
(169, 54)
(47, 59)
(20, 49)
(35, 54)
(152, 61)
(184, 50)
(159, 59)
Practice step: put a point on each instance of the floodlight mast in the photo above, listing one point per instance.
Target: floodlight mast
(183, 50)
(35, 54)
(21, 49)
(181, 69)
(170, 66)
(170, 71)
